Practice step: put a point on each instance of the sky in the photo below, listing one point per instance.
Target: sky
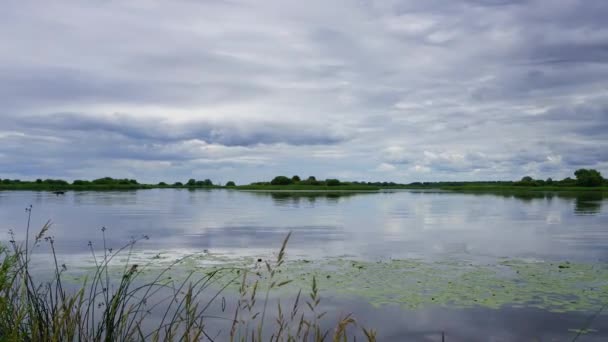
(244, 90)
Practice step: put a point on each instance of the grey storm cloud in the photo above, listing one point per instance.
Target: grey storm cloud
(394, 89)
(227, 133)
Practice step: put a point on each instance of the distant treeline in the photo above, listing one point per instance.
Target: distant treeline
(102, 183)
(587, 178)
(283, 180)
(583, 178)
(310, 183)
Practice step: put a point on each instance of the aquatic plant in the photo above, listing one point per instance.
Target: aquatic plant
(414, 284)
(131, 307)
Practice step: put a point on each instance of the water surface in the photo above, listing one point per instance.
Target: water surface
(434, 228)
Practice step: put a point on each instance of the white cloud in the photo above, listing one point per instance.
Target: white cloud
(385, 167)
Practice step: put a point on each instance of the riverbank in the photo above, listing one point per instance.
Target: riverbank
(507, 188)
(300, 187)
(95, 187)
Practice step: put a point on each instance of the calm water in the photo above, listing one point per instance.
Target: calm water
(385, 225)
(377, 226)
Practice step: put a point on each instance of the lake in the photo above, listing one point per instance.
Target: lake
(479, 267)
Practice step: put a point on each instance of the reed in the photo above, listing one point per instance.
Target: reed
(106, 307)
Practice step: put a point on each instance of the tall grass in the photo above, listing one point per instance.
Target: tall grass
(130, 307)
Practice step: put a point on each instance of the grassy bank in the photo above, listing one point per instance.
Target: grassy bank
(95, 187)
(29, 186)
(104, 307)
(101, 184)
(489, 188)
(506, 188)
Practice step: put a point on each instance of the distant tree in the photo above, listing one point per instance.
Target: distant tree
(281, 180)
(80, 182)
(162, 184)
(549, 181)
(178, 184)
(55, 182)
(105, 180)
(6, 181)
(567, 181)
(588, 177)
(204, 183)
(332, 182)
(527, 179)
(230, 184)
(38, 181)
(191, 182)
(295, 179)
(311, 181)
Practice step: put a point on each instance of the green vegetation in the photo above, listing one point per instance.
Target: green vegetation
(305, 187)
(311, 183)
(106, 306)
(559, 286)
(281, 180)
(193, 183)
(586, 180)
(414, 284)
(106, 183)
(590, 177)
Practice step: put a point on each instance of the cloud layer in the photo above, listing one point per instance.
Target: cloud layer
(244, 90)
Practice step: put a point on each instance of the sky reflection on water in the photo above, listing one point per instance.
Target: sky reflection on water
(427, 225)
(480, 228)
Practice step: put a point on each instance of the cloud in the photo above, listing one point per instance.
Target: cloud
(385, 167)
(156, 130)
(438, 89)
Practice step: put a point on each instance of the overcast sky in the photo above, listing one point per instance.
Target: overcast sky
(244, 90)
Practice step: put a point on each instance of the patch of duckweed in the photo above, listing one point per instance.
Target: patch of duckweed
(555, 287)
(414, 284)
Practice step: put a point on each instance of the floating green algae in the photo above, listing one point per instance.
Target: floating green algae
(413, 284)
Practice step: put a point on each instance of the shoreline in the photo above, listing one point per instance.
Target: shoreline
(313, 189)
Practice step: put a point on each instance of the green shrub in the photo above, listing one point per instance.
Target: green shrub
(203, 183)
(81, 182)
(310, 181)
(332, 182)
(588, 177)
(281, 180)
